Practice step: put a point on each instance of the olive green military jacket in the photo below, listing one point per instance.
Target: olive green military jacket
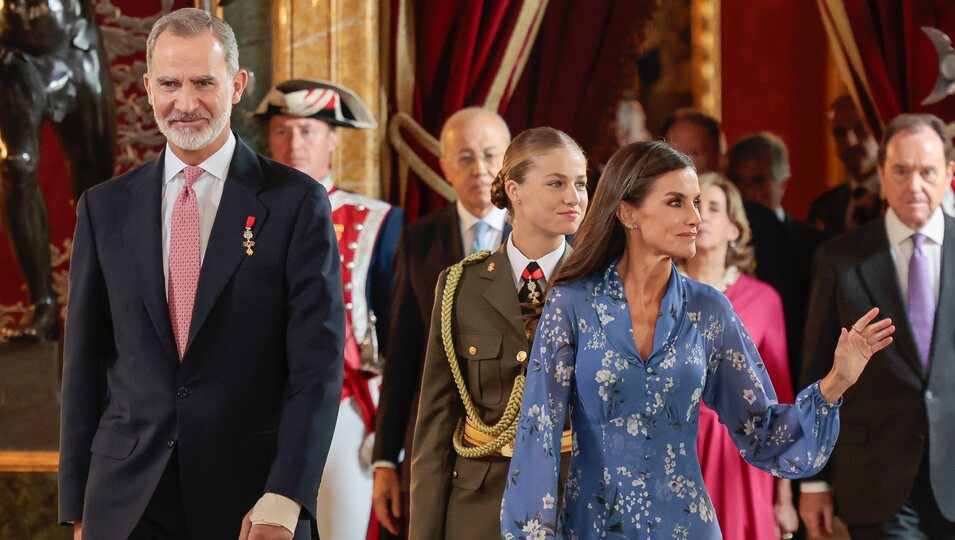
(454, 497)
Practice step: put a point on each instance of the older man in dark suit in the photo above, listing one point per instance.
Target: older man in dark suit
(203, 354)
(893, 468)
(473, 141)
(759, 165)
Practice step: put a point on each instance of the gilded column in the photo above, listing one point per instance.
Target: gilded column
(338, 41)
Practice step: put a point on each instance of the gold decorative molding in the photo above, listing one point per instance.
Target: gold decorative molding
(705, 56)
(338, 41)
(29, 461)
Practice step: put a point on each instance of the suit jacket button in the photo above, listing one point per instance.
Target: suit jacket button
(454, 474)
(170, 443)
(521, 356)
(182, 392)
(929, 395)
(472, 350)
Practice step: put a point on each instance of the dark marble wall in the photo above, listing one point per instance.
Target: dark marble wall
(28, 507)
(252, 22)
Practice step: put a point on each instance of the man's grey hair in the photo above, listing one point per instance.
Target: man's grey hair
(191, 23)
(766, 146)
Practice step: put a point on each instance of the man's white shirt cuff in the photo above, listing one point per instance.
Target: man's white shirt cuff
(814, 486)
(274, 509)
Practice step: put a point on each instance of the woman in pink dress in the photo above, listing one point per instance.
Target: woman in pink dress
(750, 504)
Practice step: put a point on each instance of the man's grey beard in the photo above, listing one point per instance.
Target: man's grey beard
(193, 139)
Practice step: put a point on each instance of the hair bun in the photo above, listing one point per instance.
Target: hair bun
(498, 195)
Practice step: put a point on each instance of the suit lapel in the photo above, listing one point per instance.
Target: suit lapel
(946, 295)
(453, 230)
(224, 253)
(501, 292)
(142, 237)
(882, 283)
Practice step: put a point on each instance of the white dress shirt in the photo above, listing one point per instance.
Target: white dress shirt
(271, 508)
(900, 247)
(495, 233)
(208, 190)
(519, 261)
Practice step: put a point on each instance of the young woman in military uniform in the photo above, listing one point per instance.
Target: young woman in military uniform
(480, 341)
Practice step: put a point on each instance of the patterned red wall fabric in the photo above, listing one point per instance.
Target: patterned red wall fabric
(125, 25)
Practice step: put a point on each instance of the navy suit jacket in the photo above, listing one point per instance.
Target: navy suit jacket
(252, 407)
(896, 414)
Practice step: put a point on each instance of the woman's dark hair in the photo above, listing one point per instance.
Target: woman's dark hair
(520, 155)
(629, 176)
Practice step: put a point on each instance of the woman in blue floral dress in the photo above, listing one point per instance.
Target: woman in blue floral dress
(630, 347)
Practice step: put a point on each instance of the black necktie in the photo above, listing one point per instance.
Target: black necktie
(532, 290)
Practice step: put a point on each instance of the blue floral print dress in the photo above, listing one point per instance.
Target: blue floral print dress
(634, 471)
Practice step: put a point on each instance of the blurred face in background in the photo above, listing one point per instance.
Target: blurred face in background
(753, 177)
(858, 149)
(305, 144)
(716, 229)
(692, 139)
(472, 153)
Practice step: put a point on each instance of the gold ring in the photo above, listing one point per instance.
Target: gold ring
(857, 331)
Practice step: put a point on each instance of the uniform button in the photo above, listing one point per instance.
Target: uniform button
(353, 246)
(454, 474)
(349, 286)
(170, 443)
(929, 395)
(472, 350)
(349, 306)
(359, 227)
(350, 265)
(360, 208)
(521, 356)
(182, 391)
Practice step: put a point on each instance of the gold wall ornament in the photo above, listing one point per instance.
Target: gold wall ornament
(337, 41)
(705, 56)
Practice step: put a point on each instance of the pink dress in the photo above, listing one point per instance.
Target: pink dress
(742, 494)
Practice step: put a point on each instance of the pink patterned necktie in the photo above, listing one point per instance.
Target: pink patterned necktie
(184, 258)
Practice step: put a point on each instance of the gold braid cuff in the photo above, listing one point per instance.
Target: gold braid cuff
(502, 433)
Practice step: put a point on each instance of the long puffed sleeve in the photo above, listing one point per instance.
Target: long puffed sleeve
(789, 441)
(529, 508)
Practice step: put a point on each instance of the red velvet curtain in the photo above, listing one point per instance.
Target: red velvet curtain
(899, 65)
(458, 49)
(576, 71)
(569, 81)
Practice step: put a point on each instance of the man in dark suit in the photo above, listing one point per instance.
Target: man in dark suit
(473, 141)
(893, 469)
(203, 353)
(857, 200)
(783, 247)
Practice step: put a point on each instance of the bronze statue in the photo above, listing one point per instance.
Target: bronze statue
(52, 66)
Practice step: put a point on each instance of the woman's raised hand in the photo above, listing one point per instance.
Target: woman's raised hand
(856, 346)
